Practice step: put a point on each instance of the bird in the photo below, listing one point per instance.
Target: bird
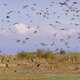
(43, 44)
(35, 31)
(18, 41)
(62, 3)
(7, 17)
(25, 6)
(27, 38)
(9, 12)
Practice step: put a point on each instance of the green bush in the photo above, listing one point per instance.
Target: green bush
(23, 55)
(38, 54)
(49, 55)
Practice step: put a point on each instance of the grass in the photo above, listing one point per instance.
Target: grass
(65, 77)
(20, 76)
(30, 66)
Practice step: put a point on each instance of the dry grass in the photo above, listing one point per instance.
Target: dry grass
(41, 62)
(39, 65)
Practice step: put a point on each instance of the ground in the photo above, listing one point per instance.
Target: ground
(22, 76)
(31, 67)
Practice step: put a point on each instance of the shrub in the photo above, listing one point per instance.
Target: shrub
(49, 55)
(40, 53)
(23, 55)
(62, 51)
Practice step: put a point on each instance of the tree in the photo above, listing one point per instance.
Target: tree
(62, 51)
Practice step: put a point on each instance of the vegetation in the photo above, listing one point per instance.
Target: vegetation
(38, 54)
(61, 57)
(24, 55)
(41, 61)
(40, 65)
(17, 76)
(49, 55)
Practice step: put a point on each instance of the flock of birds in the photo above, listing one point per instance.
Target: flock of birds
(69, 9)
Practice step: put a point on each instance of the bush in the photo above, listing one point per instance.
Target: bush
(40, 53)
(23, 55)
(62, 52)
(49, 55)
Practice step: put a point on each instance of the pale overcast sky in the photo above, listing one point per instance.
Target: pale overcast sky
(50, 24)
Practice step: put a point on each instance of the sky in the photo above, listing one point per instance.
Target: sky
(28, 25)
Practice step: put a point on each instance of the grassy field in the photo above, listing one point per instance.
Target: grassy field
(65, 77)
(18, 76)
(40, 66)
